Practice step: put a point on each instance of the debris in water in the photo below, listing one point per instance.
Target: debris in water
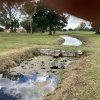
(62, 66)
(11, 75)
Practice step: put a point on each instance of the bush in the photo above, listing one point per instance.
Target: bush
(64, 30)
(1, 29)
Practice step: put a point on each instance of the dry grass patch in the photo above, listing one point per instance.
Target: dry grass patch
(15, 57)
(73, 81)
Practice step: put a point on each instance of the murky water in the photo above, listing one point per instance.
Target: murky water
(39, 78)
(71, 41)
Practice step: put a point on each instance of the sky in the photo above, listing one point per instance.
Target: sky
(73, 22)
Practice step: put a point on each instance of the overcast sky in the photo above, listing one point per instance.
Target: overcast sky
(73, 22)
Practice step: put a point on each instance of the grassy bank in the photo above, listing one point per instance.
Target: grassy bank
(91, 73)
(14, 57)
(81, 81)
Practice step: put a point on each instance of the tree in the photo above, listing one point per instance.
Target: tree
(26, 24)
(51, 19)
(12, 11)
(15, 24)
(10, 15)
(95, 28)
(70, 29)
(81, 27)
(1, 29)
(29, 9)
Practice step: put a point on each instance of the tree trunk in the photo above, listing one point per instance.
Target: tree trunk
(54, 31)
(11, 21)
(42, 30)
(97, 30)
(50, 31)
(31, 25)
(15, 29)
(31, 28)
(12, 30)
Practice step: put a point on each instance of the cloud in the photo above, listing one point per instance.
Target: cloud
(73, 22)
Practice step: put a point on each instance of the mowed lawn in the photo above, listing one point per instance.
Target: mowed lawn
(91, 91)
(10, 41)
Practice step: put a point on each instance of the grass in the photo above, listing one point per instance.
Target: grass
(10, 41)
(91, 91)
(92, 70)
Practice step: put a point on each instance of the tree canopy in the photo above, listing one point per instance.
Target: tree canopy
(48, 18)
(10, 15)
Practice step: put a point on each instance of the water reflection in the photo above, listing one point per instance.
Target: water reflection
(71, 41)
(5, 96)
(28, 87)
